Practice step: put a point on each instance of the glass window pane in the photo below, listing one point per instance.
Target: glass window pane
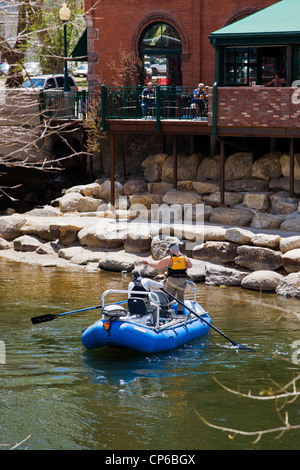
(253, 54)
(253, 74)
(241, 75)
(229, 75)
(241, 54)
(229, 58)
(160, 51)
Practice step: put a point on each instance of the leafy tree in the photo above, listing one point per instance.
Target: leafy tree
(39, 28)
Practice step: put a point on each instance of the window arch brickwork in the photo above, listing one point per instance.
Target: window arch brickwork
(162, 17)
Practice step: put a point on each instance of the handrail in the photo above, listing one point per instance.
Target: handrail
(151, 294)
(123, 103)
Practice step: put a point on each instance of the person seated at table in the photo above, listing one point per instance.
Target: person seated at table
(278, 81)
(198, 97)
(206, 92)
(148, 97)
(198, 93)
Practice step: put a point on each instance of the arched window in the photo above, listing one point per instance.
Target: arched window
(160, 51)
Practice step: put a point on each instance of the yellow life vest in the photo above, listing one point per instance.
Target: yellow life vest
(178, 263)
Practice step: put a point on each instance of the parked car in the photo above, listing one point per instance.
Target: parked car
(4, 68)
(158, 67)
(81, 71)
(32, 68)
(49, 82)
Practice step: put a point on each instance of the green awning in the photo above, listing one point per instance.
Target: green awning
(277, 23)
(80, 50)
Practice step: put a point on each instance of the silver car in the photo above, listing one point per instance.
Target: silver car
(81, 71)
(49, 82)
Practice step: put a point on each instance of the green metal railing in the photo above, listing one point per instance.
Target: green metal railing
(169, 103)
(123, 103)
(63, 105)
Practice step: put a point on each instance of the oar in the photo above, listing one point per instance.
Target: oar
(50, 316)
(237, 345)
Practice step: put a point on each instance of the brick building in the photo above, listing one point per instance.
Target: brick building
(170, 37)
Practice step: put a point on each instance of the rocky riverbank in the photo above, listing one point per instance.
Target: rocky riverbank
(256, 259)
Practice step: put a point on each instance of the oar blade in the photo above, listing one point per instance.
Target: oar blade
(244, 348)
(43, 318)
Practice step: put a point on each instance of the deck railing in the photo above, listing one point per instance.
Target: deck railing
(167, 103)
(124, 103)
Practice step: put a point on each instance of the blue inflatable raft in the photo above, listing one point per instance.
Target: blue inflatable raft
(128, 324)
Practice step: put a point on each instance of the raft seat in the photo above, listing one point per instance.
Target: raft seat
(166, 303)
(137, 306)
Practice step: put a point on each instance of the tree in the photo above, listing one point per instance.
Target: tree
(39, 27)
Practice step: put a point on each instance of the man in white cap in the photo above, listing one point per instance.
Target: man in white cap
(177, 265)
(198, 97)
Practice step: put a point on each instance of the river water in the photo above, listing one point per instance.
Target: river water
(67, 398)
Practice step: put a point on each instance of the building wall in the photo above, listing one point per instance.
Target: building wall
(115, 25)
(258, 107)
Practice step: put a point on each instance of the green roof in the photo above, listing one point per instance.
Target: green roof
(280, 20)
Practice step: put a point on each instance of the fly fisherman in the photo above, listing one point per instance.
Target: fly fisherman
(177, 265)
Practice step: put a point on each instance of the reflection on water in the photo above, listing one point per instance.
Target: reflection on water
(70, 398)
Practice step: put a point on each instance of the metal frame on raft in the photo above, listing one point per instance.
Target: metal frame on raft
(152, 295)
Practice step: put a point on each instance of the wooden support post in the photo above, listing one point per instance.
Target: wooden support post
(175, 162)
(292, 169)
(222, 172)
(112, 169)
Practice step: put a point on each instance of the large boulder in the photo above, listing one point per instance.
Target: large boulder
(216, 252)
(136, 242)
(257, 201)
(41, 228)
(239, 235)
(281, 203)
(258, 258)
(217, 275)
(289, 286)
(230, 199)
(291, 224)
(27, 243)
(266, 240)
(285, 165)
(135, 187)
(152, 166)
(187, 167)
(92, 190)
(247, 185)
(266, 221)
(10, 227)
(182, 197)
(238, 166)
(209, 168)
(118, 262)
(230, 216)
(291, 261)
(263, 280)
(206, 187)
(102, 235)
(289, 243)
(267, 167)
(105, 190)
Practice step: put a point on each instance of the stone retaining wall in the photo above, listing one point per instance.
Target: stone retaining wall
(226, 256)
